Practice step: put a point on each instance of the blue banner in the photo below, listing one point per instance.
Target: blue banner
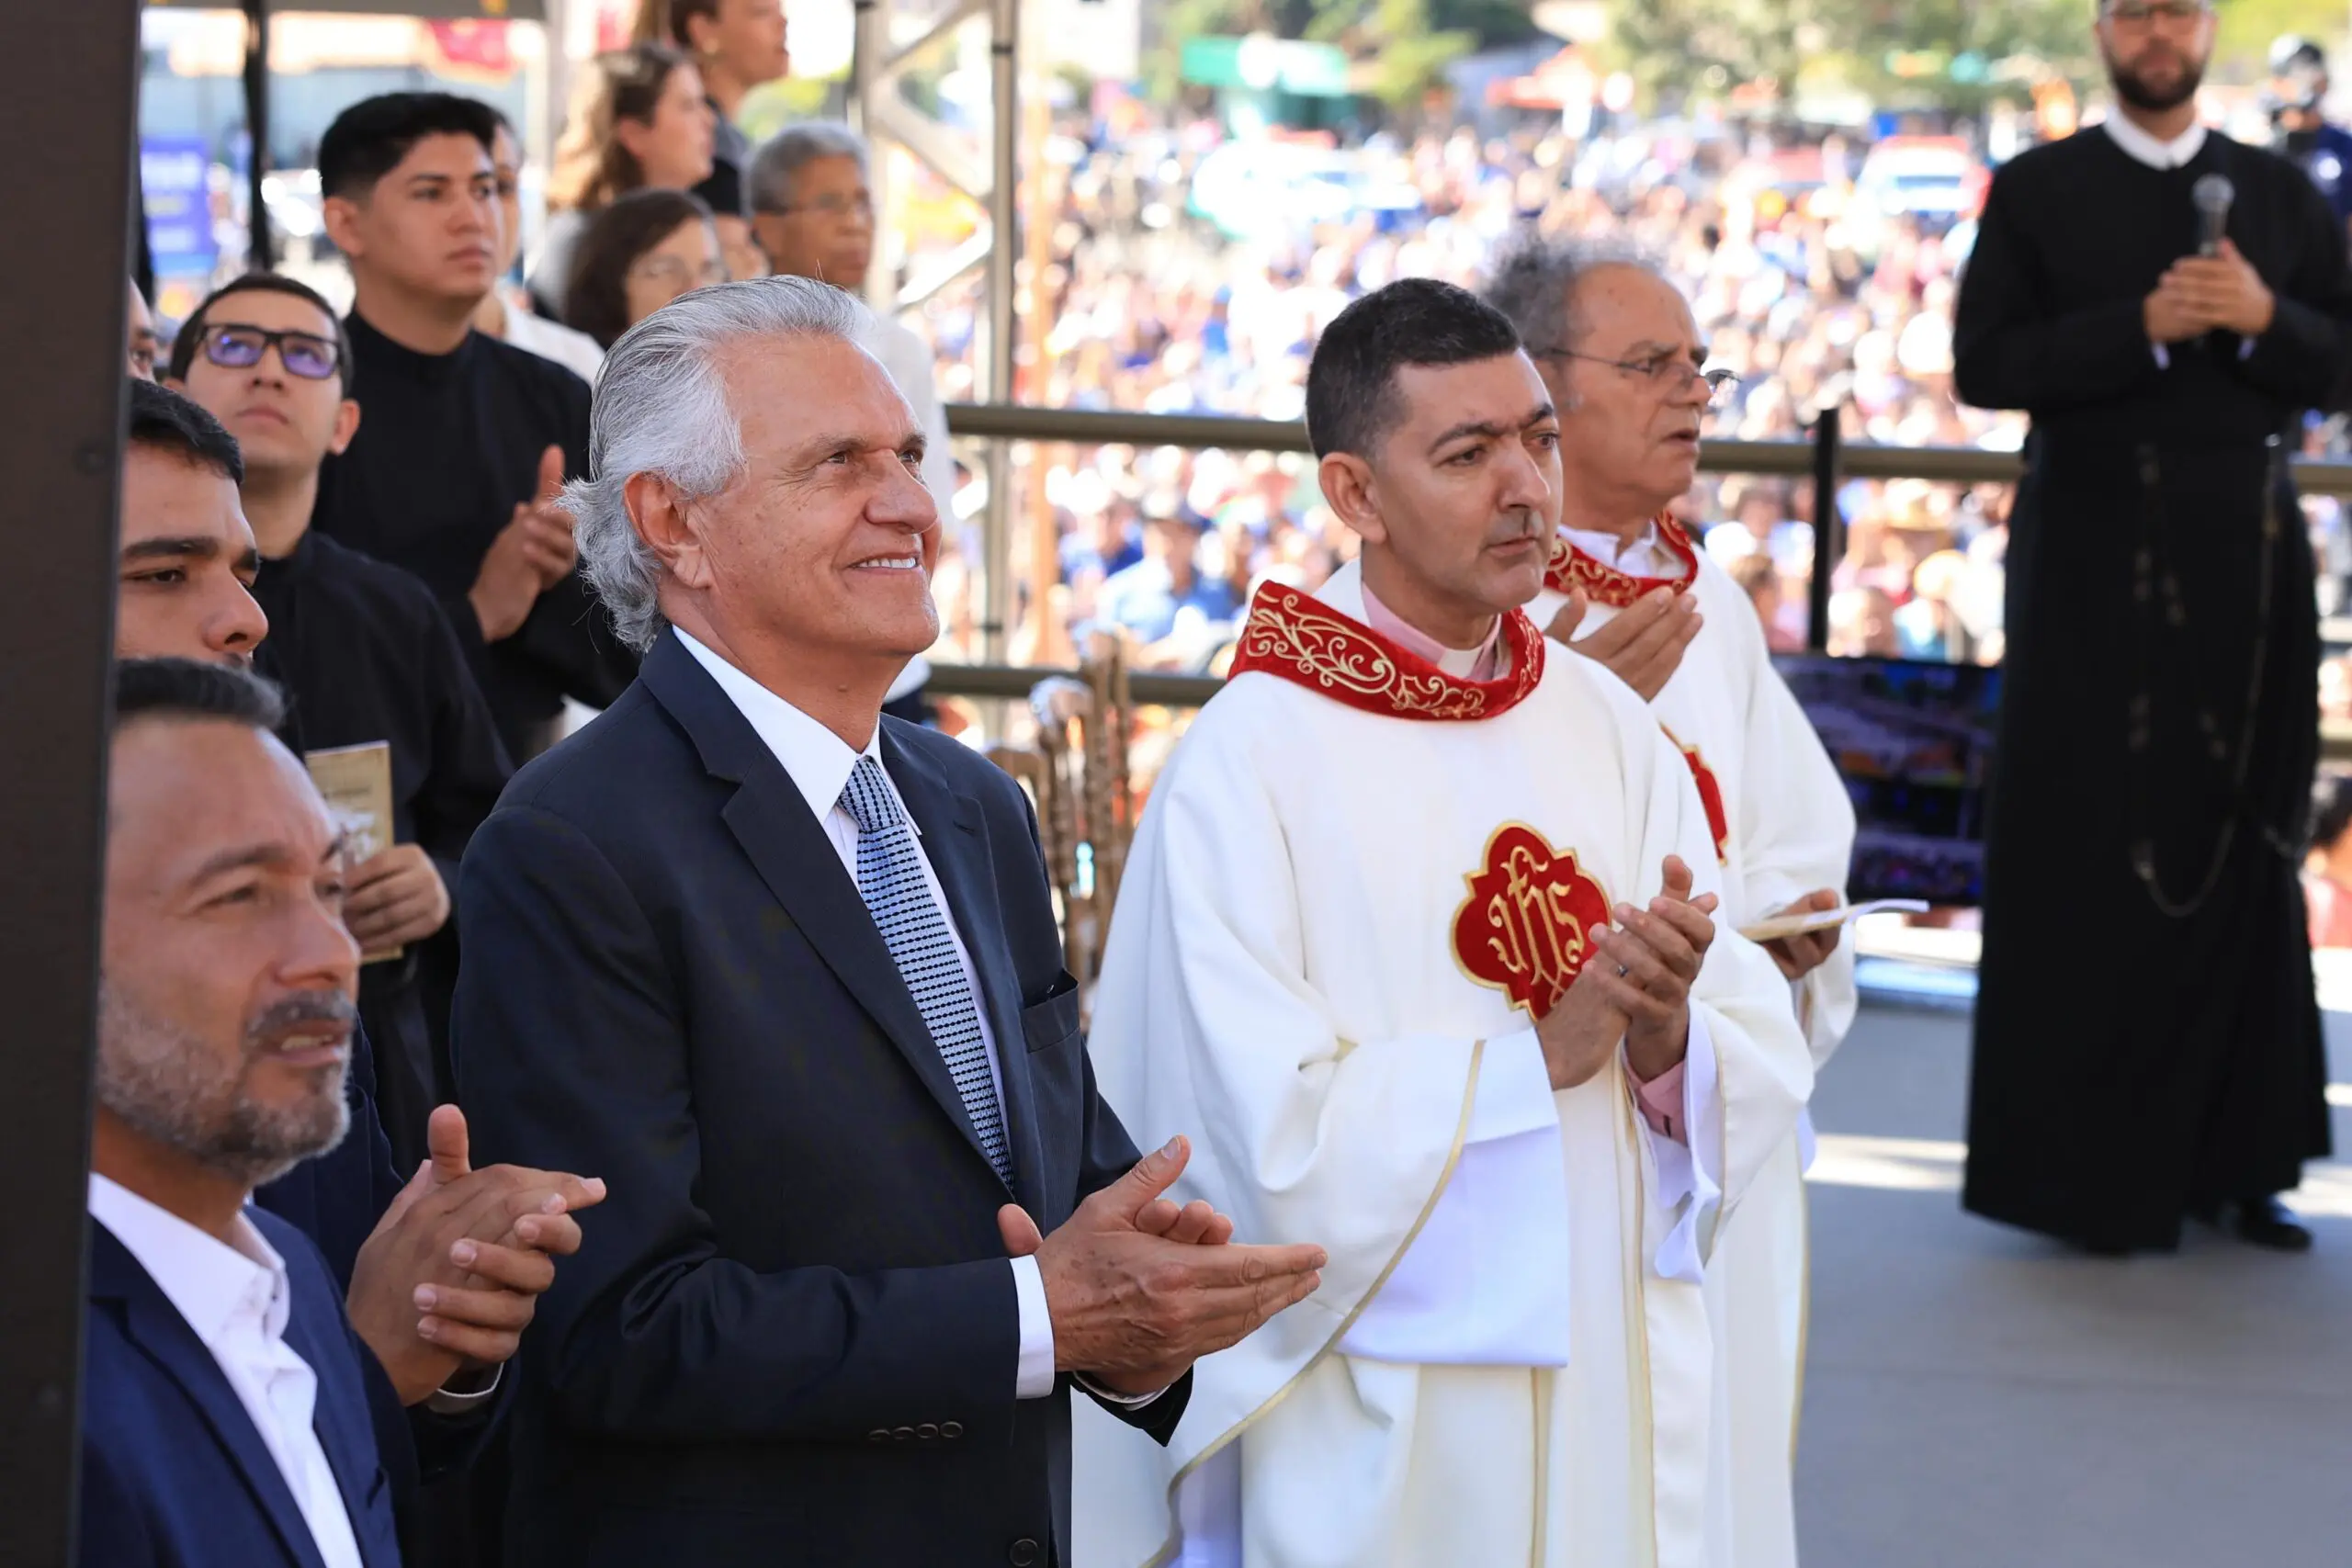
(174, 177)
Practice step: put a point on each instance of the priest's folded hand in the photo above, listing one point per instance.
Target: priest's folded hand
(1133, 1305)
(2224, 292)
(1643, 645)
(1802, 953)
(395, 897)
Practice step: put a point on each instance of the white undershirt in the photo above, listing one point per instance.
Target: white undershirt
(237, 1299)
(1644, 555)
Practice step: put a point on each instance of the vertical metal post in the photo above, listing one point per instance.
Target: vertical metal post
(1004, 251)
(76, 102)
(262, 255)
(1828, 533)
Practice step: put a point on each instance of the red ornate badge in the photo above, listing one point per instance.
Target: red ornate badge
(1525, 926)
(1711, 795)
(1305, 640)
(1571, 570)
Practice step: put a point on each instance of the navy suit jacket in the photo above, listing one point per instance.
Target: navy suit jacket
(174, 1473)
(790, 1334)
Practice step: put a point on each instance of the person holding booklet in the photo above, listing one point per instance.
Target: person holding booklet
(1417, 936)
(1621, 357)
(377, 678)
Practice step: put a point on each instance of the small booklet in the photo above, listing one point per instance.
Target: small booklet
(357, 784)
(1778, 926)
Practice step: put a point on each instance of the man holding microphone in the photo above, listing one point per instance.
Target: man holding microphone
(2165, 303)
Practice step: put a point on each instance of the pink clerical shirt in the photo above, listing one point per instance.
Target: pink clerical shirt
(1659, 1099)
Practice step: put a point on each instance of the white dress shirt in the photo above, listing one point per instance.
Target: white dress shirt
(820, 763)
(568, 346)
(236, 1298)
(1644, 555)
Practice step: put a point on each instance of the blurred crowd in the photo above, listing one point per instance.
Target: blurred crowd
(1179, 285)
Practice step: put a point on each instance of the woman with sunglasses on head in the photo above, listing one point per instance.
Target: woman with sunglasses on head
(643, 252)
(368, 655)
(639, 120)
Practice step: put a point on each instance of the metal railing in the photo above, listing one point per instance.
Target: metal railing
(1825, 458)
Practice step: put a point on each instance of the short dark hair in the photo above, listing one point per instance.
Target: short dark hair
(165, 420)
(369, 140)
(596, 299)
(2330, 810)
(194, 689)
(1351, 382)
(191, 333)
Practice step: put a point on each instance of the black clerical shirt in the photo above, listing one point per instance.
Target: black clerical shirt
(447, 445)
(367, 655)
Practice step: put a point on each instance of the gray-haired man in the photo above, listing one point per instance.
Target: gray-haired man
(791, 970)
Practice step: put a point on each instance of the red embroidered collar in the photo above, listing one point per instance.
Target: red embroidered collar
(1571, 570)
(1305, 640)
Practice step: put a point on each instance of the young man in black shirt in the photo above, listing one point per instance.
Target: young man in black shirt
(367, 656)
(453, 474)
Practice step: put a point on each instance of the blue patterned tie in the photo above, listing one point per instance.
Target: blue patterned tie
(890, 880)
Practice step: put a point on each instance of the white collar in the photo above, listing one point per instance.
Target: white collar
(1642, 555)
(2145, 148)
(819, 760)
(206, 1281)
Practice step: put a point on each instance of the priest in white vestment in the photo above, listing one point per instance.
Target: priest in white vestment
(1413, 939)
(1620, 355)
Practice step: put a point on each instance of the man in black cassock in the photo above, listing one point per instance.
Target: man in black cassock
(366, 656)
(452, 474)
(2147, 1038)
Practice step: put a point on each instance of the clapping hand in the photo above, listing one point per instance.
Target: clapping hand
(1642, 645)
(532, 553)
(452, 1273)
(1133, 1306)
(1657, 952)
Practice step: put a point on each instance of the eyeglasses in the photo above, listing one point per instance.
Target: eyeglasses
(2137, 13)
(307, 354)
(1666, 372)
(678, 274)
(833, 207)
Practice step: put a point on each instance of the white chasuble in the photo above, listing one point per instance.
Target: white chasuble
(1783, 827)
(1358, 881)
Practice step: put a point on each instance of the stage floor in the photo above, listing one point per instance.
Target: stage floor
(1979, 1398)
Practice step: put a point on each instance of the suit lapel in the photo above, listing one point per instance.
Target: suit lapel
(157, 1328)
(956, 841)
(788, 848)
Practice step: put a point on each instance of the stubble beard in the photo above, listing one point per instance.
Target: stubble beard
(157, 1079)
(2136, 92)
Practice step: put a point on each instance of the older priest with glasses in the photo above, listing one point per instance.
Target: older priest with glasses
(2166, 304)
(1417, 933)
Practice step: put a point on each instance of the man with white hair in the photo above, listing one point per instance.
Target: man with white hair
(812, 212)
(790, 969)
(1618, 350)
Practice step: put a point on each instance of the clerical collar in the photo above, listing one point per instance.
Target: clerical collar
(2144, 148)
(1483, 662)
(1312, 644)
(1574, 569)
(376, 353)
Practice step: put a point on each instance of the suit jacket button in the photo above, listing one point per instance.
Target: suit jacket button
(926, 1431)
(1023, 1554)
(951, 1430)
(879, 1435)
(903, 1433)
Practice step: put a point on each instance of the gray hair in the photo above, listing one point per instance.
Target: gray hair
(1534, 278)
(662, 409)
(775, 169)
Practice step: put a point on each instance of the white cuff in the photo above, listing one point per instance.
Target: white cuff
(2246, 347)
(449, 1402)
(1112, 1395)
(2164, 355)
(1689, 1175)
(1034, 1377)
(1514, 1090)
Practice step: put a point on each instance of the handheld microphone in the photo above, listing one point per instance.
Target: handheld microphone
(2212, 195)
